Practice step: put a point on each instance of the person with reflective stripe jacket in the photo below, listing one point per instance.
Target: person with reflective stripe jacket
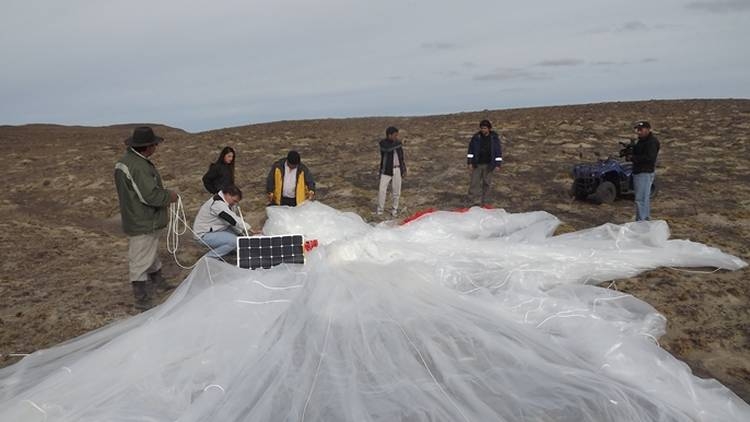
(485, 156)
(143, 209)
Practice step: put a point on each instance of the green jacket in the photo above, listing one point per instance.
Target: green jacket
(143, 199)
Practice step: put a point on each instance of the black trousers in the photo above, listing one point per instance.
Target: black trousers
(292, 202)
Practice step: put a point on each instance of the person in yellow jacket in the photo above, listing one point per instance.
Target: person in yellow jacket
(289, 182)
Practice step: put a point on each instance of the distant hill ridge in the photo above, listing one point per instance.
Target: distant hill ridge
(606, 107)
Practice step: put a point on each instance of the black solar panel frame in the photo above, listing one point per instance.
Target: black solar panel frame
(281, 249)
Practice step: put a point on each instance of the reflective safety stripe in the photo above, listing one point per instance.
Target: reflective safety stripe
(228, 218)
(123, 168)
(469, 155)
(499, 159)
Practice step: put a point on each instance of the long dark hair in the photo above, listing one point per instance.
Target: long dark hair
(223, 153)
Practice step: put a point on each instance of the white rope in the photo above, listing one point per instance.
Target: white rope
(694, 271)
(265, 302)
(37, 408)
(613, 284)
(427, 368)
(176, 214)
(214, 386)
(652, 337)
(244, 226)
(317, 369)
(177, 226)
(295, 286)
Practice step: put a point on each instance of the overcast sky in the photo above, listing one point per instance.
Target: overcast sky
(201, 65)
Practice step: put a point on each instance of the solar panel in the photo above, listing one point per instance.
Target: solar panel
(267, 251)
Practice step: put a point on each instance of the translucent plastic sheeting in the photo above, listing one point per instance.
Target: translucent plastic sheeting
(475, 316)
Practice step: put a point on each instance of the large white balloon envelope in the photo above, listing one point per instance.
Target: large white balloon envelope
(474, 316)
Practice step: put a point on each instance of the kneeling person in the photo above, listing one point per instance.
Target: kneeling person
(217, 223)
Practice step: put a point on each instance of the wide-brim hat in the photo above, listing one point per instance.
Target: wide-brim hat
(143, 136)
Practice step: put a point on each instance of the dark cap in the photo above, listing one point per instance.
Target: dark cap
(641, 124)
(391, 130)
(143, 136)
(293, 158)
(485, 123)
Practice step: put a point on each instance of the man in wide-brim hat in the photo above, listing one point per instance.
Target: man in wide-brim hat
(143, 136)
(143, 207)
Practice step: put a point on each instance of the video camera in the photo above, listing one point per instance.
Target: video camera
(627, 149)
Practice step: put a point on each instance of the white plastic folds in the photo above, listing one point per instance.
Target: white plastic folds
(474, 316)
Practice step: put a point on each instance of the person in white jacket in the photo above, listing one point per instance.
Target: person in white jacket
(217, 223)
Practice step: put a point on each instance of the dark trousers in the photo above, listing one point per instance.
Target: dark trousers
(292, 202)
(479, 185)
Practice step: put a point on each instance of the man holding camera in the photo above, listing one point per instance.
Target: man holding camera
(644, 163)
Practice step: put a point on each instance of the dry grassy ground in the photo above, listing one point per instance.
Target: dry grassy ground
(63, 270)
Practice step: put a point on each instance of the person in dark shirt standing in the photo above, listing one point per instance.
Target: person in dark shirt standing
(644, 163)
(221, 173)
(484, 157)
(392, 169)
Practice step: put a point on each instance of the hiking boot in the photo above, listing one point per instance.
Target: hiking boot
(142, 298)
(158, 282)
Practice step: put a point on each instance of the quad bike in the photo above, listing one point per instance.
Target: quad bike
(606, 180)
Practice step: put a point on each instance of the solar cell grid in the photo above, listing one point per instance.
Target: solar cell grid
(268, 251)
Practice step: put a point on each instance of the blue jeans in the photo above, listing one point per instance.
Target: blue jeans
(642, 185)
(222, 242)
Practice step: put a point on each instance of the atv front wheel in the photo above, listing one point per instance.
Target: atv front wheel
(577, 191)
(605, 193)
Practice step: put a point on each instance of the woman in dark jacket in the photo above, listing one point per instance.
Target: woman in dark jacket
(221, 173)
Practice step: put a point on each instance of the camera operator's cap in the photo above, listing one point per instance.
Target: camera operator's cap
(641, 124)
